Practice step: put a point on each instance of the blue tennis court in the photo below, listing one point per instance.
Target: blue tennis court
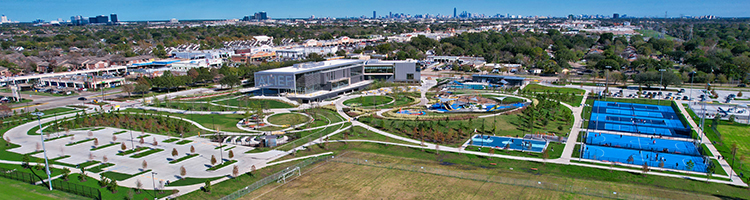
(642, 143)
(637, 118)
(653, 159)
(511, 143)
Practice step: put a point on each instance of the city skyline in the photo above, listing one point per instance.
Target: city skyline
(140, 10)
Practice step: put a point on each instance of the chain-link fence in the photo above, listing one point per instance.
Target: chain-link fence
(82, 190)
(18, 175)
(569, 188)
(273, 177)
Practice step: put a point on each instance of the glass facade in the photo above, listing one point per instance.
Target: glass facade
(378, 69)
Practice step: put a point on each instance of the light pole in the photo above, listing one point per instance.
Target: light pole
(606, 83)
(153, 182)
(41, 134)
(692, 77)
(132, 144)
(661, 81)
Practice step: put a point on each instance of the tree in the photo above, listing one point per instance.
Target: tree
(213, 160)
(123, 147)
(128, 88)
(192, 149)
(645, 169)
(96, 141)
(174, 152)
(710, 171)
(230, 80)
(231, 154)
(690, 164)
(144, 164)
(138, 186)
(103, 182)
(65, 173)
(90, 134)
(252, 170)
(183, 172)
(545, 155)
(207, 186)
(630, 159)
(112, 186)
(141, 141)
(82, 177)
(105, 159)
(155, 142)
(235, 171)
(114, 138)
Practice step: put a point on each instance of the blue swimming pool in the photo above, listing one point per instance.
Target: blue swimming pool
(519, 144)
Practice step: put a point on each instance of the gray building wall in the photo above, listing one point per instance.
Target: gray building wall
(402, 69)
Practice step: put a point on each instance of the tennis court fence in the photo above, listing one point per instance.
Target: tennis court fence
(569, 188)
(698, 147)
(82, 190)
(273, 177)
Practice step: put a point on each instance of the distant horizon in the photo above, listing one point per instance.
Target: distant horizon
(142, 10)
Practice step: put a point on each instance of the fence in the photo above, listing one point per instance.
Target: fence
(273, 177)
(569, 188)
(82, 190)
(18, 175)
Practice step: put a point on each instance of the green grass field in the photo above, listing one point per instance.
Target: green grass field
(541, 88)
(368, 101)
(121, 191)
(342, 180)
(731, 133)
(13, 189)
(287, 119)
(251, 103)
(654, 34)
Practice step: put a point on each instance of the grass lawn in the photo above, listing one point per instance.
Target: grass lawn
(562, 174)
(170, 140)
(368, 101)
(183, 158)
(191, 181)
(359, 133)
(42, 173)
(181, 142)
(129, 151)
(731, 133)
(105, 146)
(121, 191)
(79, 142)
(121, 176)
(221, 165)
(287, 119)
(222, 122)
(146, 153)
(100, 168)
(250, 103)
(506, 125)
(541, 88)
(13, 189)
(227, 187)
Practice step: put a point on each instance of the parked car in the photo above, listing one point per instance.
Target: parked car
(685, 98)
(82, 98)
(682, 90)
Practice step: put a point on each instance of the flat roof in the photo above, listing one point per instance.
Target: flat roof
(498, 76)
(312, 66)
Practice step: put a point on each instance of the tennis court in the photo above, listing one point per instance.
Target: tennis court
(637, 118)
(508, 142)
(637, 157)
(642, 143)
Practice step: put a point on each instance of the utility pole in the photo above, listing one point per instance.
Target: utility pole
(661, 81)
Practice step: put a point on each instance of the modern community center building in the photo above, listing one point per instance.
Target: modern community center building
(315, 81)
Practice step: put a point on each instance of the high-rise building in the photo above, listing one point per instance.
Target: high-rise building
(93, 20)
(113, 17)
(615, 16)
(373, 15)
(102, 19)
(390, 15)
(4, 19)
(454, 13)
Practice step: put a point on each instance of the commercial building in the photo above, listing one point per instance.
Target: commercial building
(113, 17)
(392, 71)
(314, 81)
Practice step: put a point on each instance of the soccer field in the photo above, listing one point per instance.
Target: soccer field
(337, 180)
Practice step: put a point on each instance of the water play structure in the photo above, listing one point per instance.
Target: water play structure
(468, 103)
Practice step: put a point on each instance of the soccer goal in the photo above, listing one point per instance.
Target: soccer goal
(288, 174)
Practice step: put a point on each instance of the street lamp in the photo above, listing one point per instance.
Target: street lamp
(41, 134)
(153, 182)
(661, 81)
(606, 83)
(692, 77)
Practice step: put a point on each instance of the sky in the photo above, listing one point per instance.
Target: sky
(145, 10)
